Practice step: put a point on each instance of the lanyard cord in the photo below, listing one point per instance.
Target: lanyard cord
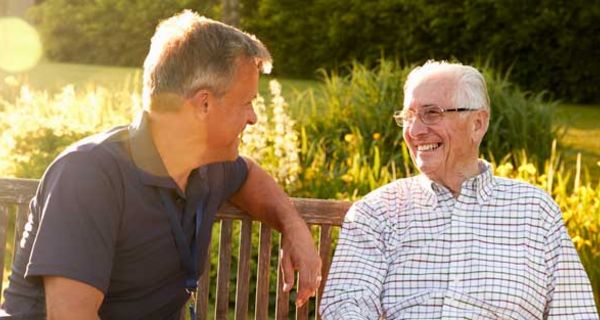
(187, 253)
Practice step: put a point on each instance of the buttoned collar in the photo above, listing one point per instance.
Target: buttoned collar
(482, 185)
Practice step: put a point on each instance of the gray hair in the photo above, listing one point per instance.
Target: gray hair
(471, 90)
(189, 52)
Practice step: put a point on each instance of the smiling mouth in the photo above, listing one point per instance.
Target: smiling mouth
(428, 147)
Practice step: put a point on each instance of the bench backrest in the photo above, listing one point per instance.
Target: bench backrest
(321, 215)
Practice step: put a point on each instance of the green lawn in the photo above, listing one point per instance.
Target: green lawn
(582, 136)
(52, 76)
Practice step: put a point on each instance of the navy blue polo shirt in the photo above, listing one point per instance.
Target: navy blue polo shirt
(97, 217)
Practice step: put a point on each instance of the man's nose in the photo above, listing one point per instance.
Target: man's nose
(252, 118)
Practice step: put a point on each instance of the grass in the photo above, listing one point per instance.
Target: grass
(583, 135)
(52, 76)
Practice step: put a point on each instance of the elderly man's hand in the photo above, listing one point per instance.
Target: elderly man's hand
(298, 253)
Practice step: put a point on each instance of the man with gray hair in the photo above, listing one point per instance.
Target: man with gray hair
(454, 242)
(122, 220)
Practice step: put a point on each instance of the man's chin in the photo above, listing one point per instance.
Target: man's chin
(224, 156)
(426, 167)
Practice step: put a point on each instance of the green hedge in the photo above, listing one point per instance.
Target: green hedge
(550, 44)
(111, 32)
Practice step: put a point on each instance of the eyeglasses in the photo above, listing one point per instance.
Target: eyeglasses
(428, 115)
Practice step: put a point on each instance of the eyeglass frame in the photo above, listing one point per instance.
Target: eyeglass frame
(399, 114)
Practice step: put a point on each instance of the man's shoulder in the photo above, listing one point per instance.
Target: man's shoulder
(512, 188)
(395, 189)
(99, 142)
(390, 195)
(521, 194)
(89, 157)
(98, 146)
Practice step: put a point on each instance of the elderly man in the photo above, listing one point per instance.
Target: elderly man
(454, 242)
(122, 220)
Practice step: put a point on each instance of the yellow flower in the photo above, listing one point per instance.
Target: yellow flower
(376, 136)
(504, 170)
(347, 178)
(349, 137)
(309, 174)
(578, 241)
(527, 168)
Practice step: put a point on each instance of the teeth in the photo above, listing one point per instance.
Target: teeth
(427, 147)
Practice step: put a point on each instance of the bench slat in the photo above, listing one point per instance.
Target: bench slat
(263, 272)
(325, 253)
(17, 190)
(314, 211)
(282, 298)
(20, 220)
(3, 235)
(223, 273)
(243, 274)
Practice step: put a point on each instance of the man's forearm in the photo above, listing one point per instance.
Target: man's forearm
(261, 197)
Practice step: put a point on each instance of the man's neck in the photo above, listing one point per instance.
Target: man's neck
(454, 180)
(179, 150)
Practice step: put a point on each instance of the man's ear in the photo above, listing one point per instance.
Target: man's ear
(200, 102)
(480, 123)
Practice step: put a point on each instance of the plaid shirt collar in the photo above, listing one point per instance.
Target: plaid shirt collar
(482, 185)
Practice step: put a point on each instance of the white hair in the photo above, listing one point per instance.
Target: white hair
(471, 90)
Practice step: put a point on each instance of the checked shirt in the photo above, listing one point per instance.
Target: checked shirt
(410, 250)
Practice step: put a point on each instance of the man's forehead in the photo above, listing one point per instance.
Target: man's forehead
(436, 89)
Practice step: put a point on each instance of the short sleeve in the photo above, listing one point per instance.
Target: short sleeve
(77, 217)
(235, 174)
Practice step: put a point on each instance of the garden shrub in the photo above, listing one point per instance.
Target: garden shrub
(550, 45)
(110, 32)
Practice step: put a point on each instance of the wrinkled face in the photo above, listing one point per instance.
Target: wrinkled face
(449, 146)
(230, 113)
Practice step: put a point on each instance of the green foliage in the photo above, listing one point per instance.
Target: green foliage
(36, 126)
(350, 143)
(551, 45)
(112, 32)
(519, 120)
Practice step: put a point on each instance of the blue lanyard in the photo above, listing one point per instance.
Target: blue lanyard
(187, 253)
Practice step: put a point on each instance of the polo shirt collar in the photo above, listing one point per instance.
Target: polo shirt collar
(145, 156)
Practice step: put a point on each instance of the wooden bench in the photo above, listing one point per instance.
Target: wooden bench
(322, 215)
